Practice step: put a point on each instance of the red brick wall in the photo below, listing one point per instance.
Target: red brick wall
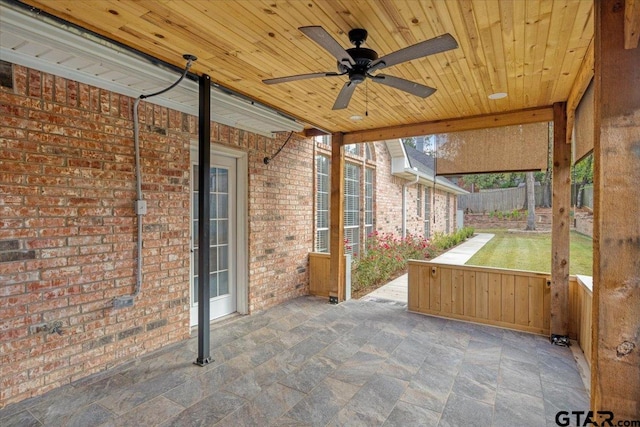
(68, 228)
(280, 222)
(389, 201)
(388, 194)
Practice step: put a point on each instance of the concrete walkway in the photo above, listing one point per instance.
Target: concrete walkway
(397, 289)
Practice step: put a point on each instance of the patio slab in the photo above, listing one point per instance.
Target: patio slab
(308, 363)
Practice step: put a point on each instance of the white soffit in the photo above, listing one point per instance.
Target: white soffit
(41, 43)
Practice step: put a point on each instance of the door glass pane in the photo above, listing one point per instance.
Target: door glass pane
(213, 224)
(213, 181)
(219, 223)
(213, 203)
(223, 253)
(213, 285)
(223, 206)
(223, 181)
(195, 289)
(223, 232)
(223, 282)
(213, 259)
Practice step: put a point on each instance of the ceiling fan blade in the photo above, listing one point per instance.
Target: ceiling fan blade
(408, 86)
(299, 77)
(428, 47)
(324, 39)
(342, 101)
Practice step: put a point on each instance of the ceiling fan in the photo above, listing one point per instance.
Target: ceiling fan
(359, 63)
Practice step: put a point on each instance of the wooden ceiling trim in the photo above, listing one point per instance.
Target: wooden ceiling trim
(245, 41)
(539, 49)
(574, 50)
(428, 71)
(519, 50)
(532, 9)
(453, 80)
(288, 38)
(284, 25)
(507, 17)
(531, 50)
(531, 115)
(500, 67)
(491, 47)
(267, 44)
(437, 69)
(467, 82)
(580, 85)
(631, 23)
(475, 49)
(556, 58)
(456, 82)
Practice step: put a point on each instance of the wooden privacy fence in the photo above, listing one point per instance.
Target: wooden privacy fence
(319, 268)
(508, 298)
(502, 200)
(580, 301)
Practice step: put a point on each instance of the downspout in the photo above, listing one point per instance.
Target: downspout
(141, 204)
(404, 202)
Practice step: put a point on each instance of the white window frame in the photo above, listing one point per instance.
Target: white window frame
(369, 191)
(352, 208)
(325, 195)
(427, 212)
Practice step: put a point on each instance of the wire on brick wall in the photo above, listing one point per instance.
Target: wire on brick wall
(266, 160)
(140, 204)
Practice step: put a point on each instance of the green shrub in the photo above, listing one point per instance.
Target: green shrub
(386, 255)
(445, 241)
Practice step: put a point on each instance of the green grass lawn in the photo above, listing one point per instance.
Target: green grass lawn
(532, 252)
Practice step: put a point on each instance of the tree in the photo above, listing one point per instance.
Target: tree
(583, 175)
(531, 201)
(411, 141)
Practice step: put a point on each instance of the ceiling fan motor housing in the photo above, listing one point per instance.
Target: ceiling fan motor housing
(362, 57)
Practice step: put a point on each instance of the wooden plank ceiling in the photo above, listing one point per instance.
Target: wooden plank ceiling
(530, 49)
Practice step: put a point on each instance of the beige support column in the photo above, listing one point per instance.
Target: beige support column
(336, 221)
(560, 203)
(615, 366)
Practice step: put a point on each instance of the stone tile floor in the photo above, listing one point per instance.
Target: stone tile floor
(308, 363)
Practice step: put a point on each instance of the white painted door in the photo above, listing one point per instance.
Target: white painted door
(223, 241)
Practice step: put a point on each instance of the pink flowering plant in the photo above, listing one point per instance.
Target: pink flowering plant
(386, 255)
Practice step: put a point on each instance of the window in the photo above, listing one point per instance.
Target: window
(419, 200)
(352, 208)
(367, 152)
(352, 149)
(322, 204)
(323, 140)
(427, 212)
(358, 196)
(368, 202)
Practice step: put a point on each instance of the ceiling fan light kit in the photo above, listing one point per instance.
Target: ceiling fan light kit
(359, 63)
